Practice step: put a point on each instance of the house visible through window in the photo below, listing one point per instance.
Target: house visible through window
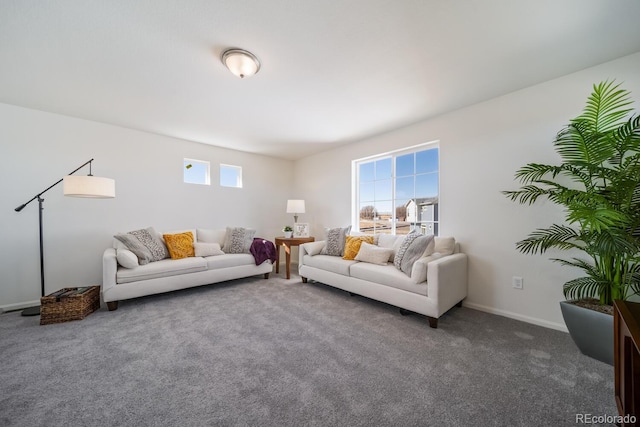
(196, 172)
(398, 192)
(231, 176)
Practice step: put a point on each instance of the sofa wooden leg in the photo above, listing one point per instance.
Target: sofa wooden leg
(266, 275)
(459, 304)
(304, 280)
(433, 322)
(112, 305)
(405, 312)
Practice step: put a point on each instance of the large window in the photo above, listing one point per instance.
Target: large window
(398, 192)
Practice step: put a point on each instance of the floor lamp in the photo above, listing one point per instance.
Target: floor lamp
(74, 186)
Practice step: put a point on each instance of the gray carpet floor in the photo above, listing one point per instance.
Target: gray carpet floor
(277, 352)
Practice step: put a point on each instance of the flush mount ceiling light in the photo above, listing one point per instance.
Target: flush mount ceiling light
(240, 62)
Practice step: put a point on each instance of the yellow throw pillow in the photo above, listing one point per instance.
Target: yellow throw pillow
(180, 245)
(352, 245)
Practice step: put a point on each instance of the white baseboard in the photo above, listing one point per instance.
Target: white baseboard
(551, 325)
(19, 306)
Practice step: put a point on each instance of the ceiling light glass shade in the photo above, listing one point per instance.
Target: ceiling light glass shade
(295, 206)
(89, 186)
(241, 62)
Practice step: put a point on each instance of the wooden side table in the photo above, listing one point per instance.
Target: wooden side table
(287, 243)
(626, 358)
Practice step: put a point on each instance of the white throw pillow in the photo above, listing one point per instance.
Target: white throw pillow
(373, 254)
(126, 258)
(313, 248)
(207, 249)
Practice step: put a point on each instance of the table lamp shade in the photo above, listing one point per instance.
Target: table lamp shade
(295, 206)
(89, 186)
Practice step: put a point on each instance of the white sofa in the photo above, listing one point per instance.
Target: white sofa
(121, 283)
(445, 271)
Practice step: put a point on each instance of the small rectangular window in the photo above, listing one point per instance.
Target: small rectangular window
(231, 176)
(196, 172)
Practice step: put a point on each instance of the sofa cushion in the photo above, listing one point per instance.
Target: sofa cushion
(392, 242)
(238, 240)
(211, 235)
(329, 263)
(420, 267)
(352, 245)
(163, 268)
(387, 275)
(373, 254)
(207, 249)
(180, 245)
(229, 260)
(445, 245)
(335, 238)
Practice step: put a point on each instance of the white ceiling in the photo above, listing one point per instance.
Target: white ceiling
(333, 71)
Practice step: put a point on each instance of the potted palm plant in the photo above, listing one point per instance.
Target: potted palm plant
(598, 184)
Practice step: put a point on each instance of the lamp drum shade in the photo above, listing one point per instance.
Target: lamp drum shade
(295, 206)
(89, 186)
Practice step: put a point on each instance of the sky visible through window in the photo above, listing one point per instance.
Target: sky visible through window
(196, 172)
(387, 185)
(416, 177)
(230, 176)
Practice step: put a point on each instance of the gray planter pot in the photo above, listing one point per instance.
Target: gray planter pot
(591, 330)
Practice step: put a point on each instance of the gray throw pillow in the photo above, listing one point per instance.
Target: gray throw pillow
(414, 252)
(134, 245)
(335, 238)
(149, 238)
(238, 240)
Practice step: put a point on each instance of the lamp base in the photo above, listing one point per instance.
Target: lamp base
(31, 311)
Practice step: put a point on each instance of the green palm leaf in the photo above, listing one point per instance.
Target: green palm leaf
(598, 186)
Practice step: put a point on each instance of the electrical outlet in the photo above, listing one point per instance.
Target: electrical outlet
(517, 282)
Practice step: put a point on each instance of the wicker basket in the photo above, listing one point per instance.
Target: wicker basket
(58, 309)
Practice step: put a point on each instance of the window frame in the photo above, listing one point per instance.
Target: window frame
(355, 221)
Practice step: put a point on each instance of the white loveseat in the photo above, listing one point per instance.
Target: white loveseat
(436, 284)
(122, 283)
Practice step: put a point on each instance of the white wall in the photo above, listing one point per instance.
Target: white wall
(38, 148)
(480, 149)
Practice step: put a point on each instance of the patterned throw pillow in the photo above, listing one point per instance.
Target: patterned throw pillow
(412, 249)
(352, 245)
(149, 238)
(335, 238)
(406, 242)
(135, 245)
(418, 249)
(180, 245)
(238, 240)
